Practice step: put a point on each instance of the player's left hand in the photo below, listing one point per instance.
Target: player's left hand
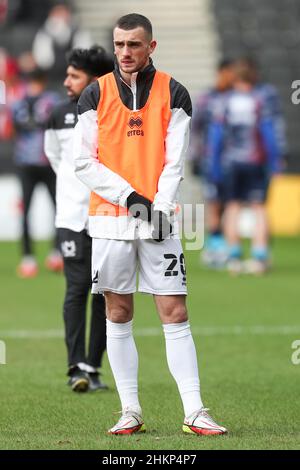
(162, 227)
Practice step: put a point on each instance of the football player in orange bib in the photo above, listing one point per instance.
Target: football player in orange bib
(131, 140)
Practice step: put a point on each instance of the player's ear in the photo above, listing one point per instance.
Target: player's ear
(152, 46)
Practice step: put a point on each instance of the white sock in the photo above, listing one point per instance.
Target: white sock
(123, 359)
(182, 362)
(86, 367)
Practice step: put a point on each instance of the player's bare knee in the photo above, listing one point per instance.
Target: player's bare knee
(118, 308)
(176, 314)
(118, 315)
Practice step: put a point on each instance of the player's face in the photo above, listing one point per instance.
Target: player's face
(226, 78)
(132, 49)
(75, 81)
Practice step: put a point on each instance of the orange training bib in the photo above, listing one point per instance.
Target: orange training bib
(132, 143)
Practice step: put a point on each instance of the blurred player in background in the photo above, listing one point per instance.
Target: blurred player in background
(58, 35)
(132, 138)
(215, 250)
(72, 197)
(245, 152)
(270, 96)
(30, 115)
(14, 91)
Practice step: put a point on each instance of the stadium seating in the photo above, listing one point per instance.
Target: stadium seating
(16, 37)
(269, 32)
(187, 26)
(200, 32)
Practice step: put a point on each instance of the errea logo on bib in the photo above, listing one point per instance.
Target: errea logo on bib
(135, 123)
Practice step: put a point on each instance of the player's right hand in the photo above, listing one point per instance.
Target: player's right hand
(139, 206)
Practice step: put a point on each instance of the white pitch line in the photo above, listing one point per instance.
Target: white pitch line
(237, 330)
(31, 334)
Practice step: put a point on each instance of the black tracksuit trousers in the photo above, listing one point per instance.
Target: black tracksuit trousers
(76, 248)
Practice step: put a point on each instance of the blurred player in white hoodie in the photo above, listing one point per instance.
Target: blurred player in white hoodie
(72, 197)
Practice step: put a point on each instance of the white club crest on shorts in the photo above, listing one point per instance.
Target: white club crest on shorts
(68, 249)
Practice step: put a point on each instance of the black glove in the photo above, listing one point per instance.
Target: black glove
(139, 206)
(161, 226)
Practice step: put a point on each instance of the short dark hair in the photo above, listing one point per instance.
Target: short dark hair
(225, 63)
(134, 20)
(36, 75)
(94, 61)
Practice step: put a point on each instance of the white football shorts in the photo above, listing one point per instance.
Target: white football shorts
(160, 266)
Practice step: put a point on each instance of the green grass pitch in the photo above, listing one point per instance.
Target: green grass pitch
(247, 377)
